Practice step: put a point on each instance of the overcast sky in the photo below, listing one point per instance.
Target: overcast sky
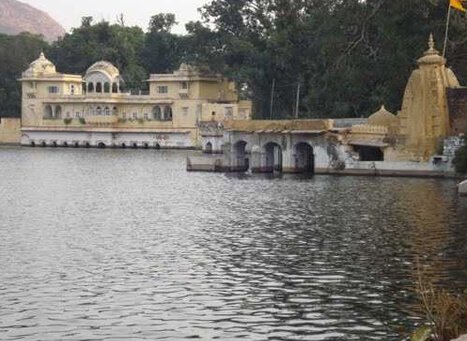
(136, 12)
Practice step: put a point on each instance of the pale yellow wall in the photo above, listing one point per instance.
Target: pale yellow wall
(206, 90)
(173, 88)
(224, 91)
(10, 131)
(226, 112)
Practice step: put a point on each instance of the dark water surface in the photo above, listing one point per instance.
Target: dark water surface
(124, 244)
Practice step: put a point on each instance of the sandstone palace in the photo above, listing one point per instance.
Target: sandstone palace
(93, 111)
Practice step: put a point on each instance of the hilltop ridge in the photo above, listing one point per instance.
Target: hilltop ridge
(17, 17)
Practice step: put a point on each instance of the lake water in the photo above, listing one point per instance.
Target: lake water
(126, 245)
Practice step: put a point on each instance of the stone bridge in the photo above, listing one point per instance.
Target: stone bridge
(276, 146)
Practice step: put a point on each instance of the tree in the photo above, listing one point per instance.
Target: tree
(349, 56)
(16, 53)
(162, 51)
(162, 22)
(118, 44)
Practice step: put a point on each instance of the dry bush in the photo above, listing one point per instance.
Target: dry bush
(446, 313)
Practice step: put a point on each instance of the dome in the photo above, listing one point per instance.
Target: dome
(41, 66)
(104, 67)
(382, 118)
(187, 69)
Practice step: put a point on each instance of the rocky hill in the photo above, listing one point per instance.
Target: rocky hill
(17, 17)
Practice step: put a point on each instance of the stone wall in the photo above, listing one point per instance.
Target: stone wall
(108, 138)
(457, 102)
(451, 145)
(10, 131)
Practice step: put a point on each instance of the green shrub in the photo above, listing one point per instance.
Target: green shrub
(67, 120)
(82, 120)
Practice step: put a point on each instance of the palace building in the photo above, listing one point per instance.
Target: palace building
(93, 110)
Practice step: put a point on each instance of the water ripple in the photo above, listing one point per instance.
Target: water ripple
(109, 245)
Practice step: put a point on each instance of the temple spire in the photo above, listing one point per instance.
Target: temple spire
(431, 42)
(431, 46)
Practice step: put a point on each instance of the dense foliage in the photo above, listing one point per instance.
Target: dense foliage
(348, 56)
(16, 52)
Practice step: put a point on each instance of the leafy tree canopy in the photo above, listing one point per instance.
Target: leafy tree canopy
(349, 56)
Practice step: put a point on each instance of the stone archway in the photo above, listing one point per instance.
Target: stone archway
(99, 87)
(208, 148)
(304, 158)
(240, 161)
(48, 113)
(58, 112)
(106, 87)
(157, 113)
(272, 161)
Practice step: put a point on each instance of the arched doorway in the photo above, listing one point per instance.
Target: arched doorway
(240, 161)
(58, 112)
(48, 112)
(157, 113)
(208, 148)
(273, 158)
(304, 158)
(101, 145)
(167, 113)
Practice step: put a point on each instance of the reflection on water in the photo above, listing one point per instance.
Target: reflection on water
(127, 245)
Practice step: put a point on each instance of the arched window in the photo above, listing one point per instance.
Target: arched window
(114, 111)
(168, 113)
(107, 111)
(98, 111)
(107, 87)
(208, 148)
(99, 87)
(90, 87)
(114, 88)
(48, 111)
(156, 113)
(58, 111)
